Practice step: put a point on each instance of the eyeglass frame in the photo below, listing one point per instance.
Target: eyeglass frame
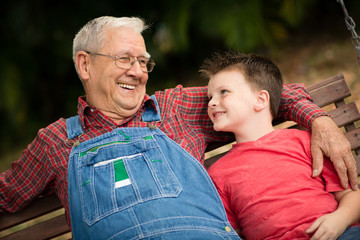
(133, 59)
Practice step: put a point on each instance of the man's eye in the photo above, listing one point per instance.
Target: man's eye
(124, 59)
(223, 91)
(143, 61)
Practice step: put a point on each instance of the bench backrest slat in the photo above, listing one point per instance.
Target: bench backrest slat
(345, 114)
(354, 138)
(329, 91)
(49, 229)
(39, 207)
(357, 159)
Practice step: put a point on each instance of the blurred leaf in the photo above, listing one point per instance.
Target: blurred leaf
(294, 11)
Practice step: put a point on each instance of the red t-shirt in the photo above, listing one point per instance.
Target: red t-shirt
(267, 186)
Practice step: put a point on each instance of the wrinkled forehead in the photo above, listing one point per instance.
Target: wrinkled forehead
(124, 40)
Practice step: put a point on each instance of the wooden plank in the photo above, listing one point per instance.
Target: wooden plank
(354, 138)
(329, 91)
(213, 146)
(49, 229)
(357, 159)
(345, 115)
(213, 159)
(326, 82)
(39, 207)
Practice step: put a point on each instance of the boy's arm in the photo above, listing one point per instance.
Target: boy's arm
(349, 204)
(332, 225)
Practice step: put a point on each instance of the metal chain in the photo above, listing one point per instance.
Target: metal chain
(350, 24)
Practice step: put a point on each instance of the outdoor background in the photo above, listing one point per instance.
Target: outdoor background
(308, 39)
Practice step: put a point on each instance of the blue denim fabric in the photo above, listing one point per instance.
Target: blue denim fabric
(169, 194)
(351, 233)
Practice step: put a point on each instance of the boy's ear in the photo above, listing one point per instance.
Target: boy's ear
(82, 63)
(262, 100)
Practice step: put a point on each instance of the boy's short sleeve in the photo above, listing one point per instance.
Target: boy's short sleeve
(230, 214)
(331, 178)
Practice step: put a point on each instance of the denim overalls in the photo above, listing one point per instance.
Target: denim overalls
(137, 183)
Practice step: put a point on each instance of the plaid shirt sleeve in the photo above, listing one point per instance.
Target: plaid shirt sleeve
(38, 171)
(296, 105)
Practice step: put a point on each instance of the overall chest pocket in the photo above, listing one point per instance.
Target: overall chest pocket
(118, 175)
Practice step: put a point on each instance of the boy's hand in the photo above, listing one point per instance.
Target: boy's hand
(327, 139)
(326, 227)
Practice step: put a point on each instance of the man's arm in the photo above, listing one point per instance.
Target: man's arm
(327, 139)
(28, 177)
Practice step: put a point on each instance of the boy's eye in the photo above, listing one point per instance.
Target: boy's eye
(223, 91)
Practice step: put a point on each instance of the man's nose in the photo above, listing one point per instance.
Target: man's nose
(135, 69)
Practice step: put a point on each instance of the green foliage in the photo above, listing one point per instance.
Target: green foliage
(38, 81)
(244, 25)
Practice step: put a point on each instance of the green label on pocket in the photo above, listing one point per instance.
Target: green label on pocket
(121, 177)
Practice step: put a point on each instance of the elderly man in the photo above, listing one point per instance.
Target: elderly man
(128, 165)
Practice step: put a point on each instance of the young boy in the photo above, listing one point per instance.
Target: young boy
(265, 180)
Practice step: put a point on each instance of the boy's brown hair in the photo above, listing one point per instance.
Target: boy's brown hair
(260, 72)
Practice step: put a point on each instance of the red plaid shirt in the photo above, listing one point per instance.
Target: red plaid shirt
(43, 166)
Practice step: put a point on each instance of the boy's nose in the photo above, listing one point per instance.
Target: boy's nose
(211, 103)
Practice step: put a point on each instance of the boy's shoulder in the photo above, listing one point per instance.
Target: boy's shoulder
(282, 139)
(292, 133)
(223, 165)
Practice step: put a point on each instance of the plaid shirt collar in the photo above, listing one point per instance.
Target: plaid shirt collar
(85, 112)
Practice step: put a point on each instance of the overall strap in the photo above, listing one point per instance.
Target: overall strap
(150, 114)
(73, 126)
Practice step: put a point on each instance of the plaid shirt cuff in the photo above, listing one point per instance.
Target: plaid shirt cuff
(305, 111)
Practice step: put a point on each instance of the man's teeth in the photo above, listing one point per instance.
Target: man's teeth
(127, 86)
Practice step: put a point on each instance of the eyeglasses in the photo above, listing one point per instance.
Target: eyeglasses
(127, 61)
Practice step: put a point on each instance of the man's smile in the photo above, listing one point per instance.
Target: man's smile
(126, 86)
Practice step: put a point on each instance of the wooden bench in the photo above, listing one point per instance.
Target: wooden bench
(330, 93)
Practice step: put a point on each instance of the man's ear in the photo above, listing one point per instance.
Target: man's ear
(82, 63)
(262, 100)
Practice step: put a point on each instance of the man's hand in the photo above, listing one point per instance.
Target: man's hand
(327, 139)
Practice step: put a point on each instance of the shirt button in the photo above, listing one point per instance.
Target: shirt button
(228, 229)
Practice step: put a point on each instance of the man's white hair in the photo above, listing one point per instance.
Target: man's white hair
(91, 36)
